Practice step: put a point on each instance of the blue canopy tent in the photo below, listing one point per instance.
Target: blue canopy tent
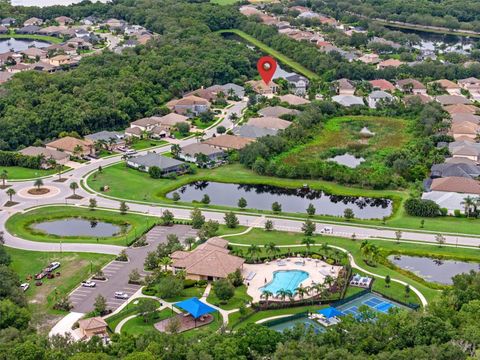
(330, 312)
(195, 307)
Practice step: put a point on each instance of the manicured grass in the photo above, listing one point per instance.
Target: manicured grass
(187, 294)
(19, 224)
(138, 326)
(240, 298)
(142, 144)
(75, 267)
(21, 173)
(235, 322)
(279, 56)
(130, 309)
(50, 39)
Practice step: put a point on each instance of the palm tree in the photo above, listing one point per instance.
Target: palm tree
(4, 177)
(10, 193)
(175, 150)
(73, 187)
(38, 183)
(318, 288)
(468, 203)
(272, 248)
(58, 169)
(301, 291)
(77, 150)
(266, 295)
(308, 242)
(328, 280)
(253, 250)
(165, 262)
(282, 294)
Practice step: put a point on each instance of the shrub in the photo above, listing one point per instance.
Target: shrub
(457, 213)
(444, 211)
(188, 283)
(155, 172)
(421, 207)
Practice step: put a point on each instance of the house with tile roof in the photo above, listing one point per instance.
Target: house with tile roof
(382, 84)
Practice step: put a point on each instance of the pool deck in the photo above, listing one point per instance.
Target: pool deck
(316, 269)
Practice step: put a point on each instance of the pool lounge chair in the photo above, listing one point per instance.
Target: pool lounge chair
(250, 276)
(281, 263)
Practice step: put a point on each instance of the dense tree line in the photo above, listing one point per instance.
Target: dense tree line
(110, 90)
(16, 159)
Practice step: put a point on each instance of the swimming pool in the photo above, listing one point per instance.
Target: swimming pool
(286, 280)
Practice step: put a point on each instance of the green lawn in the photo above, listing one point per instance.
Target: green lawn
(75, 267)
(21, 173)
(138, 325)
(142, 144)
(20, 224)
(130, 309)
(50, 39)
(240, 297)
(276, 54)
(188, 293)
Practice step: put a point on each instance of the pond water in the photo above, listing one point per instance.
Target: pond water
(261, 197)
(78, 227)
(20, 44)
(434, 270)
(347, 160)
(290, 324)
(42, 3)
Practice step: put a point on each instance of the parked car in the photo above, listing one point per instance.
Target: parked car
(327, 230)
(121, 295)
(54, 265)
(40, 276)
(89, 284)
(25, 286)
(131, 152)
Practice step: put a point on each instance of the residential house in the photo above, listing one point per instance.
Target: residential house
(228, 142)
(171, 120)
(411, 86)
(3, 29)
(115, 24)
(64, 20)
(457, 170)
(277, 111)
(145, 124)
(348, 100)
(234, 90)
(469, 83)
(19, 68)
(71, 146)
(209, 93)
(261, 88)
(34, 53)
(449, 86)
(165, 164)
(446, 100)
(385, 42)
(389, 63)
(8, 21)
(208, 261)
(189, 152)
(7, 58)
(48, 154)
(111, 139)
(89, 20)
(249, 10)
(378, 97)
(33, 21)
(5, 76)
(189, 105)
(269, 123)
(60, 60)
(382, 84)
(465, 149)
(369, 59)
(466, 117)
(450, 192)
(294, 100)
(44, 66)
(28, 30)
(253, 132)
(461, 109)
(134, 132)
(465, 131)
(155, 126)
(298, 83)
(88, 328)
(344, 87)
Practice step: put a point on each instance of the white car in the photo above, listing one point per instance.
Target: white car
(24, 286)
(327, 230)
(130, 152)
(54, 265)
(89, 284)
(121, 295)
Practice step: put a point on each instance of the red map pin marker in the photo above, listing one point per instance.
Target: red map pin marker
(266, 67)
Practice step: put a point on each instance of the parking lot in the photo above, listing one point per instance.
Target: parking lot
(83, 298)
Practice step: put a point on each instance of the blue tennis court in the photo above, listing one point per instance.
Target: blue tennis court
(373, 301)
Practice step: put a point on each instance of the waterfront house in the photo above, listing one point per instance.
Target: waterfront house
(228, 142)
(165, 164)
(189, 152)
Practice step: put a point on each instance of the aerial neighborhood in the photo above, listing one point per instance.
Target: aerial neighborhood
(239, 180)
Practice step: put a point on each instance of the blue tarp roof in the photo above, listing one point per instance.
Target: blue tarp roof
(330, 312)
(195, 307)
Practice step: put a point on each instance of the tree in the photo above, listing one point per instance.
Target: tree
(235, 278)
(242, 203)
(170, 286)
(38, 183)
(221, 129)
(268, 225)
(197, 218)
(440, 239)
(469, 205)
(183, 128)
(147, 307)
(407, 291)
(266, 295)
(155, 172)
(4, 177)
(175, 196)
(348, 214)
(73, 187)
(276, 207)
(272, 248)
(301, 291)
(134, 277)
(223, 290)
(167, 218)
(12, 315)
(92, 204)
(308, 228)
(387, 281)
(311, 210)
(11, 192)
(123, 208)
(175, 150)
(253, 250)
(100, 304)
(174, 325)
(308, 242)
(190, 241)
(231, 220)
(206, 199)
(165, 262)
(398, 236)
(208, 230)
(151, 260)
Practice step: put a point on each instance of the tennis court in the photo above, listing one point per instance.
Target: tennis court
(373, 301)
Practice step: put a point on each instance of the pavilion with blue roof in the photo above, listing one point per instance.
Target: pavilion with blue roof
(330, 312)
(195, 307)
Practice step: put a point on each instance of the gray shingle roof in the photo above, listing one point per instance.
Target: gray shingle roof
(152, 159)
(253, 132)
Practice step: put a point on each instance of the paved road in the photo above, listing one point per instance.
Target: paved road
(117, 272)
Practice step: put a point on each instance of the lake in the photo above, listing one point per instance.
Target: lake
(20, 44)
(434, 270)
(42, 3)
(78, 227)
(261, 197)
(347, 160)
